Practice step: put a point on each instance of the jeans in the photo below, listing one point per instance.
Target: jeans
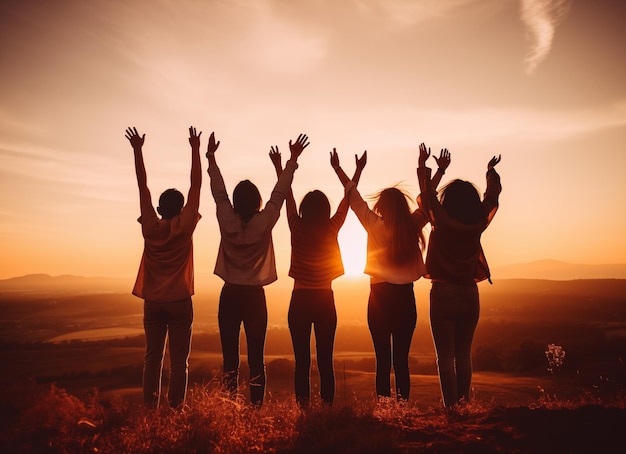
(313, 308)
(171, 321)
(243, 304)
(454, 312)
(391, 316)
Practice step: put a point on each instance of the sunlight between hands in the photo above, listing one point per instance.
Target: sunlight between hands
(443, 161)
(494, 161)
(212, 146)
(296, 148)
(194, 139)
(136, 141)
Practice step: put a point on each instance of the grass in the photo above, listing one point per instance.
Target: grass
(39, 419)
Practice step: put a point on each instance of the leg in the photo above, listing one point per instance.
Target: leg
(179, 328)
(255, 325)
(300, 328)
(325, 328)
(229, 319)
(442, 328)
(465, 328)
(405, 318)
(381, 338)
(156, 331)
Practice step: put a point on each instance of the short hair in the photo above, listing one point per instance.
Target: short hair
(246, 200)
(171, 202)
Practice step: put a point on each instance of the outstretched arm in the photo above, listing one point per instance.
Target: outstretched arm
(334, 162)
(193, 198)
(136, 141)
(360, 165)
(276, 159)
(443, 161)
(218, 189)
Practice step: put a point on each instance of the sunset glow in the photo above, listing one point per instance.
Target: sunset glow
(540, 82)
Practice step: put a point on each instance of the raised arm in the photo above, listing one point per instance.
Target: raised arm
(360, 165)
(136, 141)
(494, 187)
(276, 159)
(218, 189)
(443, 161)
(193, 197)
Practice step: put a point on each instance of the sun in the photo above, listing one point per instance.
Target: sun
(353, 243)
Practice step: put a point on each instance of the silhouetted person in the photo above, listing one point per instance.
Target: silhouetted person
(455, 263)
(165, 277)
(246, 263)
(394, 262)
(315, 263)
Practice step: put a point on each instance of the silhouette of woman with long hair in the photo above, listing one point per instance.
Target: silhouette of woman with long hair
(246, 263)
(315, 263)
(455, 262)
(394, 262)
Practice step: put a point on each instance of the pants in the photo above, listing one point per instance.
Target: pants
(391, 316)
(171, 321)
(454, 312)
(243, 304)
(313, 308)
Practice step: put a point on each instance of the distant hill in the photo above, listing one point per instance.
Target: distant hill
(559, 271)
(64, 284)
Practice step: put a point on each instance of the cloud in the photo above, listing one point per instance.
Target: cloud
(541, 17)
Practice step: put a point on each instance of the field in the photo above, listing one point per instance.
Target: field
(78, 357)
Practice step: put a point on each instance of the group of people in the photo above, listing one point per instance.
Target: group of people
(454, 261)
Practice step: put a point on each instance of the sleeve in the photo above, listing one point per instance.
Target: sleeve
(366, 216)
(218, 188)
(492, 194)
(280, 191)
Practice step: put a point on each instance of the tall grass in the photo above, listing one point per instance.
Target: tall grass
(38, 419)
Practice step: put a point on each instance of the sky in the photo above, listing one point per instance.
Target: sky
(541, 82)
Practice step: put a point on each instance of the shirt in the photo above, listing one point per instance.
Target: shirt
(246, 251)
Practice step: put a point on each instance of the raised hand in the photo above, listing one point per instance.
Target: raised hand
(334, 159)
(276, 159)
(360, 162)
(424, 155)
(194, 139)
(443, 161)
(212, 146)
(296, 148)
(493, 162)
(136, 141)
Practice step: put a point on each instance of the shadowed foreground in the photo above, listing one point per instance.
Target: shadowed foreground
(48, 419)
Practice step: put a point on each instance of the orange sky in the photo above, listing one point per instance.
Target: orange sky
(541, 82)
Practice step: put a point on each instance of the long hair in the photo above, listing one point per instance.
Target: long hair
(171, 202)
(393, 207)
(246, 200)
(461, 200)
(315, 213)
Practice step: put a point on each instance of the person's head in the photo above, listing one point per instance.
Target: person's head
(170, 203)
(461, 200)
(246, 200)
(392, 205)
(315, 207)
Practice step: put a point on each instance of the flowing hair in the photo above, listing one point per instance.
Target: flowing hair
(392, 205)
(461, 200)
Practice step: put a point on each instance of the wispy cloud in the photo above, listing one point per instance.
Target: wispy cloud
(541, 17)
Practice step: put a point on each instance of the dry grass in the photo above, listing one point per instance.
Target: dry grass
(37, 419)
